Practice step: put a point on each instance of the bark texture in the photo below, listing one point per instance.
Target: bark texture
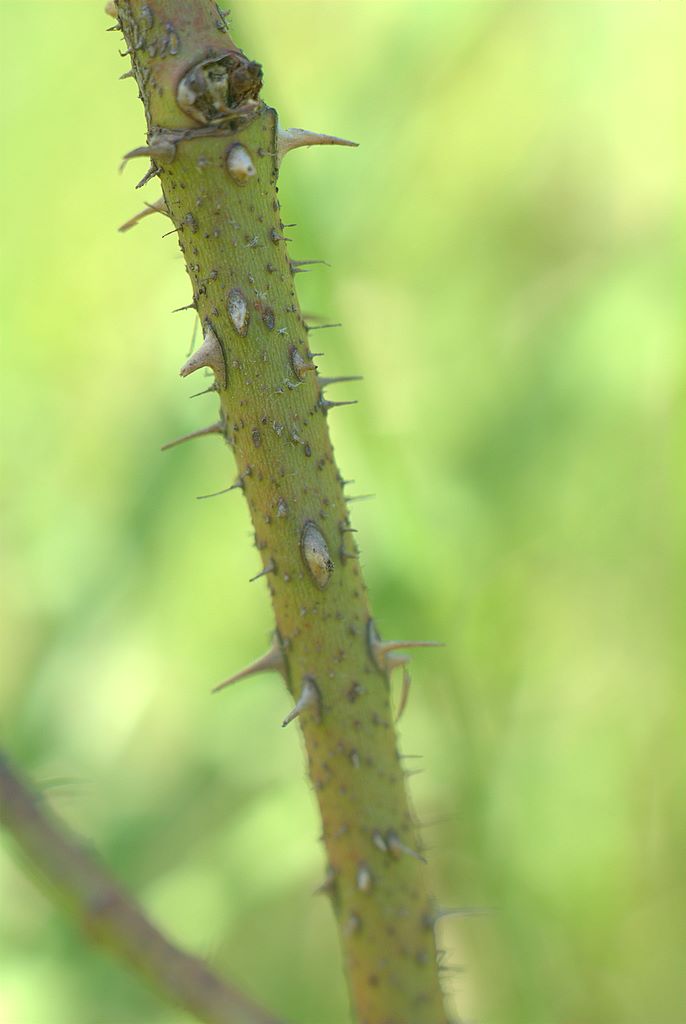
(216, 149)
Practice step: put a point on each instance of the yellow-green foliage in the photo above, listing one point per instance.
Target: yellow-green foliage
(505, 269)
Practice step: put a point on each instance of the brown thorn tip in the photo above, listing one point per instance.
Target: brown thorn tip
(214, 428)
(210, 355)
(272, 661)
(309, 697)
(293, 138)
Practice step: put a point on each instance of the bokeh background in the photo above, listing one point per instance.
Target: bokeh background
(504, 250)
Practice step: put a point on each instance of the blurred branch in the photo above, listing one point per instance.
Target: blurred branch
(109, 916)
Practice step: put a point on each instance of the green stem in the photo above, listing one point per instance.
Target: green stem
(109, 916)
(215, 147)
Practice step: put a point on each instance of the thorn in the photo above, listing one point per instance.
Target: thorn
(214, 428)
(384, 646)
(209, 354)
(181, 309)
(206, 391)
(159, 206)
(460, 912)
(326, 381)
(161, 150)
(320, 327)
(272, 661)
(269, 567)
(360, 497)
(127, 74)
(151, 173)
(238, 486)
(309, 697)
(326, 405)
(404, 693)
(396, 848)
(296, 264)
(348, 529)
(294, 138)
(328, 885)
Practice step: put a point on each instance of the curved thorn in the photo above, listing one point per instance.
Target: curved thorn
(162, 151)
(293, 138)
(272, 661)
(309, 697)
(210, 355)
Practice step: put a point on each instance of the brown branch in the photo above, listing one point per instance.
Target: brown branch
(109, 916)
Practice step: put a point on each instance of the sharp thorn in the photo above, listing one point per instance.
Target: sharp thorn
(269, 567)
(461, 912)
(360, 497)
(181, 309)
(127, 74)
(328, 885)
(210, 355)
(320, 327)
(159, 206)
(383, 647)
(206, 391)
(161, 150)
(272, 661)
(309, 698)
(238, 486)
(307, 263)
(294, 138)
(397, 848)
(151, 173)
(214, 428)
(326, 405)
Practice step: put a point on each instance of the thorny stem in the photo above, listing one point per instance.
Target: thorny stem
(109, 916)
(216, 149)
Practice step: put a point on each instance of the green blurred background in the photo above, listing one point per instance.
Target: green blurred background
(506, 268)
